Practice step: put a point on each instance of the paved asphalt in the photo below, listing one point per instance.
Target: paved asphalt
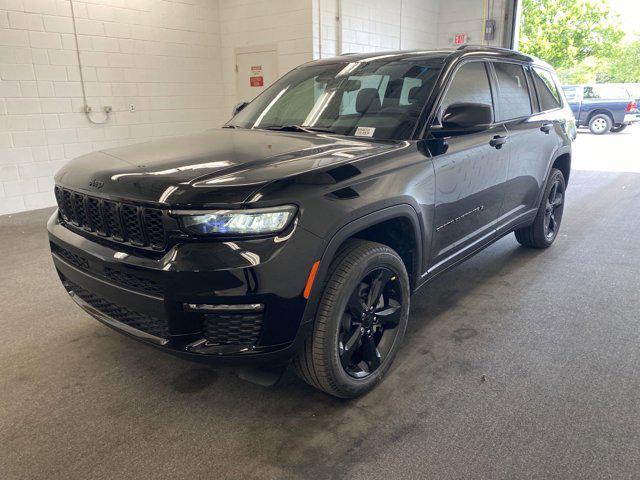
(555, 333)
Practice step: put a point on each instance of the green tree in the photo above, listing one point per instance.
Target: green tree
(584, 72)
(566, 32)
(624, 65)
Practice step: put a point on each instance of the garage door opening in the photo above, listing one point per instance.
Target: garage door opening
(595, 48)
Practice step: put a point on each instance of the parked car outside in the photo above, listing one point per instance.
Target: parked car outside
(603, 108)
(300, 229)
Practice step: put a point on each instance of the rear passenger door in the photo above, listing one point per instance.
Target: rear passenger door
(470, 175)
(532, 140)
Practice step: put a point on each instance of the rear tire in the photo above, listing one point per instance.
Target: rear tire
(618, 128)
(355, 336)
(600, 124)
(544, 229)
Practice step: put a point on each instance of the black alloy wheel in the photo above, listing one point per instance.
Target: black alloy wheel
(553, 209)
(544, 229)
(360, 320)
(368, 328)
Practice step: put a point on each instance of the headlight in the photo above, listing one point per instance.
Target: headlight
(259, 221)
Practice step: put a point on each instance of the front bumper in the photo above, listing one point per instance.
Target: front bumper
(146, 296)
(630, 118)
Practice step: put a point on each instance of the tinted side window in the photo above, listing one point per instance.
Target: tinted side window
(547, 90)
(469, 85)
(513, 92)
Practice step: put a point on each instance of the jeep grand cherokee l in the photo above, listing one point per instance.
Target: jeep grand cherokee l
(299, 230)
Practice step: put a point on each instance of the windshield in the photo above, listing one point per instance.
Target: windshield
(379, 99)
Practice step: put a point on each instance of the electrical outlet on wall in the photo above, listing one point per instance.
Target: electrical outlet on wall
(132, 107)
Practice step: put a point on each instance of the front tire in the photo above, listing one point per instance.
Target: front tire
(360, 322)
(600, 124)
(544, 229)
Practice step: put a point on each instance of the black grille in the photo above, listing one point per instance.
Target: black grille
(241, 329)
(134, 282)
(79, 204)
(154, 227)
(132, 224)
(67, 207)
(136, 320)
(120, 222)
(112, 220)
(94, 216)
(72, 258)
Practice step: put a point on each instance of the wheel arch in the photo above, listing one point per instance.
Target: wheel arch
(383, 227)
(599, 111)
(397, 226)
(563, 163)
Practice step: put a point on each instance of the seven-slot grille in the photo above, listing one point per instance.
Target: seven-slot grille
(121, 222)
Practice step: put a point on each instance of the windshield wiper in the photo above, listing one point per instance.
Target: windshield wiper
(298, 128)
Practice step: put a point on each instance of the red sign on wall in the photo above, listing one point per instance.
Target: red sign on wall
(256, 79)
(460, 38)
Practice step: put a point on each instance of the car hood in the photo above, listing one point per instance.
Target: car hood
(218, 166)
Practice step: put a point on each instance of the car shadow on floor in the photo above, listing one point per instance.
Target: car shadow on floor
(294, 430)
(441, 297)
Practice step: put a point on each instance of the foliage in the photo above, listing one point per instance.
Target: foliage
(623, 67)
(566, 32)
(586, 71)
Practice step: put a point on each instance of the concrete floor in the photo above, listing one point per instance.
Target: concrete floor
(556, 333)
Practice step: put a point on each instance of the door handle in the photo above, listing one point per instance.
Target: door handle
(497, 141)
(546, 127)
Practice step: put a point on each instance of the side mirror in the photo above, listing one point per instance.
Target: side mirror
(238, 107)
(467, 117)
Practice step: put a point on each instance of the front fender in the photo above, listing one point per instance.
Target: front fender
(347, 231)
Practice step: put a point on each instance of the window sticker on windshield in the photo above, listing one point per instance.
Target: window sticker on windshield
(365, 131)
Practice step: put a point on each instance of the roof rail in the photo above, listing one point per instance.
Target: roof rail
(493, 49)
(485, 47)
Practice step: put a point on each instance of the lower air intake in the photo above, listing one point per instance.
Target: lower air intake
(139, 321)
(238, 329)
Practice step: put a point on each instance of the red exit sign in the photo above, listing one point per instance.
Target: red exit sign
(460, 38)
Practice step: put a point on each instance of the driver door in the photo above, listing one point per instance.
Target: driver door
(470, 175)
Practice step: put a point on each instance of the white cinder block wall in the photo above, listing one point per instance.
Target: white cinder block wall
(465, 16)
(173, 62)
(160, 56)
(370, 25)
(377, 25)
(419, 27)
(283, 24)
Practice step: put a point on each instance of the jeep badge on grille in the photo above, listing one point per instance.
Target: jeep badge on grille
(95, 183)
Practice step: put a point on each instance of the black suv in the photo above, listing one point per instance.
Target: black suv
(300, 229)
